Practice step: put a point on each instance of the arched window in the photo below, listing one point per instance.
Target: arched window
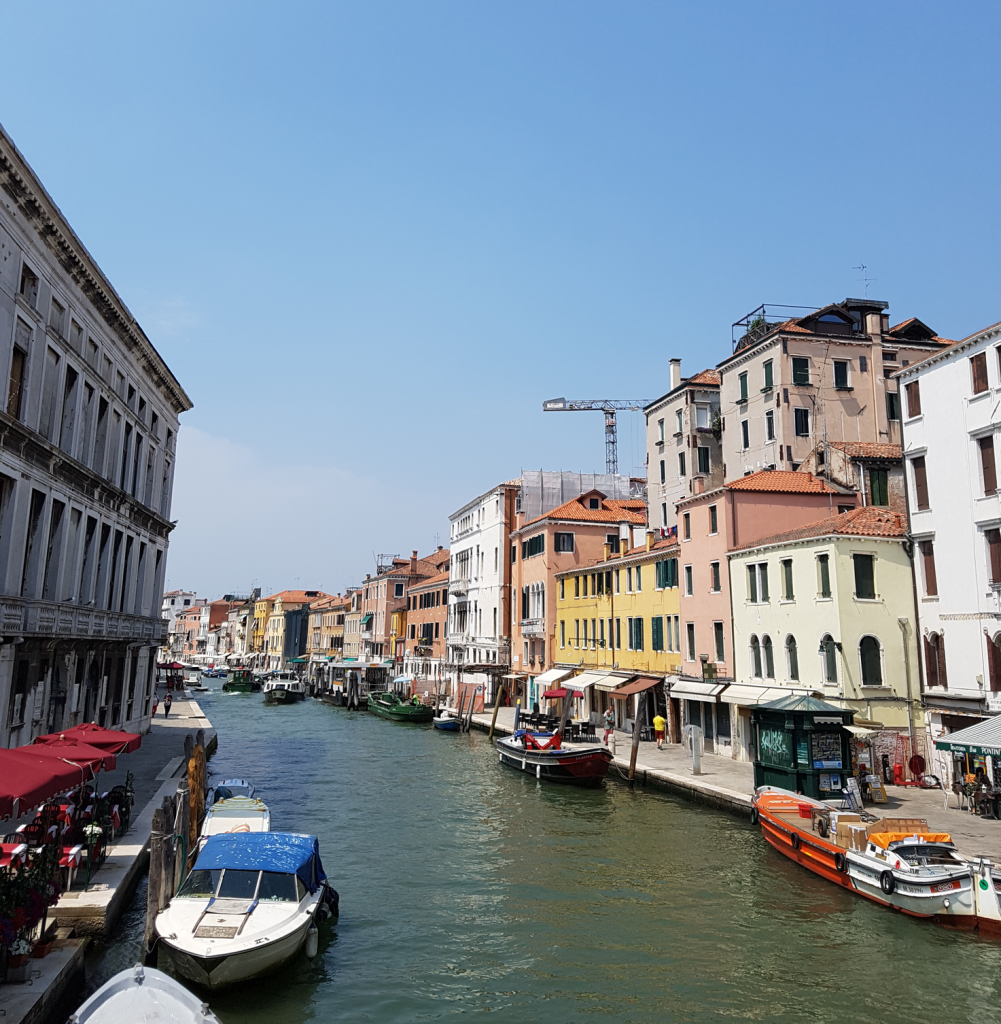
(935, 659)
(792, 658)
(766, 643)
(755, 658)
(830, 654)
(869, 654)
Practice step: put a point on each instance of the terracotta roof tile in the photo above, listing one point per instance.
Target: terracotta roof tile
(867, 449)
(297, 596)
(781, 481)
(791, 325)
(669, 545)
(611, 510)
(433, 581)
(705, 377)
(860, 522)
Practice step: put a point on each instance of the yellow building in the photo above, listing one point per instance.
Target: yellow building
(620, 617)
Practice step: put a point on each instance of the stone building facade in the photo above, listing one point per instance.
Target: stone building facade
(87, 448)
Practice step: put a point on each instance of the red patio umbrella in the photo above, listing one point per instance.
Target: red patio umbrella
(113, 740)
(170, 664)
(555, 694)
(75, 751)
(27, 779)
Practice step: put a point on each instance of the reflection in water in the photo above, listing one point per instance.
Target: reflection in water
(469, 888)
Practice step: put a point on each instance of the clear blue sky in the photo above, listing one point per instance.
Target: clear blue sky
(371, 238)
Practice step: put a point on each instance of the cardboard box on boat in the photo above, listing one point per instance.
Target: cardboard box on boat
(852, 835)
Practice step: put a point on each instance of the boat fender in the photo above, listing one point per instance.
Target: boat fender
(841, 862)
(754, 815)
(887, 882)
(333, 900)
(312, 941)
(795, 840)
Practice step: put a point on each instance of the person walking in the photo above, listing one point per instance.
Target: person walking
(659, 725)
(609, 724)
(167, 701)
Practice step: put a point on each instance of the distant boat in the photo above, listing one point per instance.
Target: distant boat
(143, 994)
(227, 788)
(284, 688)
(250, 903)
(241, 680)
(389, 705)
(447, 721)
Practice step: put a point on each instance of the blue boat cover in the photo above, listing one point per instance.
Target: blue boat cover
(288, 852)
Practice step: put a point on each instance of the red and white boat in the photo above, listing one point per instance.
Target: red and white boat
(545, 756)
(896, 862)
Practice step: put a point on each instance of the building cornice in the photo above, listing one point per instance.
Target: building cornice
(946, 354)
(19, 181)
(826, 538)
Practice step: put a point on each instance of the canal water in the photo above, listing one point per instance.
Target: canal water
(467, 888)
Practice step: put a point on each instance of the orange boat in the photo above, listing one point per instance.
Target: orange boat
(896, 862)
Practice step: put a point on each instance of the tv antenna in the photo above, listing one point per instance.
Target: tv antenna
(865, 279)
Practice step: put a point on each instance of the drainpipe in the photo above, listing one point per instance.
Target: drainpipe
(902, 622)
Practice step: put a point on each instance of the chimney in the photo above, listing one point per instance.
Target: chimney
(873, 325)
(675, 373)
(698, 485)
(413, 564)
(649, 539)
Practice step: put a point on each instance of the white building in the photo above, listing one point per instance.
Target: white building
(684, 454)
(89, 427)
(950, 415)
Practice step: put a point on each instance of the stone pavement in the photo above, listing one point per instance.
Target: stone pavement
(730, 784)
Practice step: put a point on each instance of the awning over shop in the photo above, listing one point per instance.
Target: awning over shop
(556, 694)
(600, 680)
(862, 731)
(983, 738)
(954, 705)
(637, 685)
(552, 675)
(695, 689)
(749, 694)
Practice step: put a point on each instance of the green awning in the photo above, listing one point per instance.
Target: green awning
(984, 738)
(297, 661)
(366, 619)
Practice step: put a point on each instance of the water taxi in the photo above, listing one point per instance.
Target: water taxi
(250, 903)
(389, 705)
(284, 688)
(896, 862)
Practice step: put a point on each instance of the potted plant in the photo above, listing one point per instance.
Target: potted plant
(19, 952)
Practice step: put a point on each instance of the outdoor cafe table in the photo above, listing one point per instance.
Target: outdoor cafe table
(11, 853)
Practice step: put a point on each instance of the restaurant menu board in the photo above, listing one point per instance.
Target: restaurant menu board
(827, 750)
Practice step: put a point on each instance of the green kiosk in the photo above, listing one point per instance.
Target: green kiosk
(803, 746)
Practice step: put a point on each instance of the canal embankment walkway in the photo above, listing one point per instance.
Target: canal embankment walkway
(729, 785)
(157, 767)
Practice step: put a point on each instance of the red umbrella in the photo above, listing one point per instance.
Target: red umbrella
(75, 751)
(556, 694)
(26, 779)
(170, 664)
(113, 740)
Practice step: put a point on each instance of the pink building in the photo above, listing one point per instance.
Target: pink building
(741, 512)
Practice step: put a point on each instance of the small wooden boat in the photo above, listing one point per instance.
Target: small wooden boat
(447, 721)
(389, 705)
(241, 680)
(284, 688)
(250, 903)
(545, 756)
(143, 994)
(896, 862)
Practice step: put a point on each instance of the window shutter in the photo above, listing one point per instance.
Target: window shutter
(994, 551)
(987, 464)
(920, 482)
(978, 364)
(865, 584)
(913, 398)
(928, 557)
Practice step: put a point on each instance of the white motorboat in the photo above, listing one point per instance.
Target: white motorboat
(236, 814)
(143, 994)
(284, 688)
(250, 903)
(229, 787)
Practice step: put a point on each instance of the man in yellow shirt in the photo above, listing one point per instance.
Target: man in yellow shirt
(659, 725)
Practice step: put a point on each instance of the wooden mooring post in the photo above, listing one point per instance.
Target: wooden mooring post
(160, 838)
(493, 719)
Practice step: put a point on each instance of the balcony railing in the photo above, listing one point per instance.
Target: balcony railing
(533, 627)
(56, 619)
(458, 586)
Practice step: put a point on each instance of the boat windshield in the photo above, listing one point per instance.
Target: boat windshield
(238, 885)
(200, 883)
(926, 856)
(277, 887)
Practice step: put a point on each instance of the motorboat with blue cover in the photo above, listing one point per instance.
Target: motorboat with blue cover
(250, 903)
(143, 994)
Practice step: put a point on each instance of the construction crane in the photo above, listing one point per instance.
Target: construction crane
(606, 405)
